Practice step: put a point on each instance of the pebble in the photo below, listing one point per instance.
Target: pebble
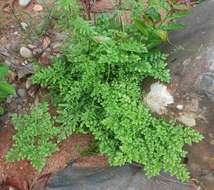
(38, 8)
(24, 63)
(212, 142)
(28, 83)
(46, 42)
(31, 46)
(25, 52)
(180, 107)
(24, 25)
(11, 76)
(211, 135)
(11, 188)
(21, 92)
(24, 3)
(32, 92)
(19, 107)
(37, 51)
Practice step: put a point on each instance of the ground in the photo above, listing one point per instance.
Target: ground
(29, 27)
(42, 41)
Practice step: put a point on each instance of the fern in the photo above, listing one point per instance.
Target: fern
(5, 88)
(96, 88)
(35, 137)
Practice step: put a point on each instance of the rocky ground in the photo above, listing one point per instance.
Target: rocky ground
(27, 36)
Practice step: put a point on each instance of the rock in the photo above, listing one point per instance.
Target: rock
(158, 98)
(32, 91)
(38, 8)
(180, 107)
(31, 46)
(195, 80)
(24, 25)
(24, 3)
(127, 177)
(21, 92)
(46, 42)
(37, 100)
(26, 53)
(37, 51)
(12, 188)
(14, 46)
(187, 119)
(28, 84)
(44, 59)
(25, 70)
(25, 63)
(19, 107)
(212, 142)
(11, 76)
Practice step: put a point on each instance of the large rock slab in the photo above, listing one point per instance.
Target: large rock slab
(192, 66)
(118, 178)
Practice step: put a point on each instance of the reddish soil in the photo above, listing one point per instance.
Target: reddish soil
(24, 177)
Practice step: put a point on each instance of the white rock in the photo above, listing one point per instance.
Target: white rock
(24, 25)
(158, 98)
(24, 3)
(25, 52)
(180, 107)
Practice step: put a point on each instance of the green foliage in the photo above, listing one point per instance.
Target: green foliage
(5, 88)
(35, 137)
(96, 89)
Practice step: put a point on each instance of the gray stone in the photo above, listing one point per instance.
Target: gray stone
(25, 70)
(24, 3)
(26, 53)
(115, 178)
(19, 107)
(191, 63)
(21, 92)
